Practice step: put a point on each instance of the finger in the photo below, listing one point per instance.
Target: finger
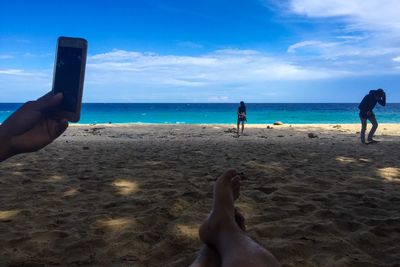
(49, 100)
(61, 127)
(58, 128)
(47, 96)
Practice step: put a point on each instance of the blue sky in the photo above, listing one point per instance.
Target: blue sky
(206, 51)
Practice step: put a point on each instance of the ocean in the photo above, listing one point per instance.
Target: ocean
(257, 113)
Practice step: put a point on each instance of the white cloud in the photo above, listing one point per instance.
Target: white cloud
(219, 99)
(16, 72)
(209, 76)
(33, 55)
(352, 37)
(360, 14)
(361, 35)
(396, 59)
(221, 67)
(374, 22)
(311, 43)
(11, 71)
(335, 50)
(116, 55)
(127, 58)
(18, 85)
(177, 82)
(146, 77)
(121, 75)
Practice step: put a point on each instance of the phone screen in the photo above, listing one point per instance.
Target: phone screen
(68, 75)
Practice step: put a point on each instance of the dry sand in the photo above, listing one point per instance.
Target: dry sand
(134, 195)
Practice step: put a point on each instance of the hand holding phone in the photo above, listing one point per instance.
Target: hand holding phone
(30, 128)
(69, 75)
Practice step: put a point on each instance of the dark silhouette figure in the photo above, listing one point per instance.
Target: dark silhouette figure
(366, 113)
(241, 116)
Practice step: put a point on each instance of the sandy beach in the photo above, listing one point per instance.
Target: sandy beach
(134, 195)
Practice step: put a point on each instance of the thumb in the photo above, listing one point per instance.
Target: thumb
(49, 100)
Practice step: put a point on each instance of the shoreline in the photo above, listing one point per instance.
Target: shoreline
(250, 125)
(384, 129)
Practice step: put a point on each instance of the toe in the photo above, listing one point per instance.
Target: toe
(236, 187)
(227, 176)
(239, 218)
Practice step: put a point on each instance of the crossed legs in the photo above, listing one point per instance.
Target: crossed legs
(209, 256)
(223, 232)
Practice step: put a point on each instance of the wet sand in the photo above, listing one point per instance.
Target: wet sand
(134, 195)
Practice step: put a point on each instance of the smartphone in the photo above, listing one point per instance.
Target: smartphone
(69, 75)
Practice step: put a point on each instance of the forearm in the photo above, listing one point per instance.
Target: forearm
(5, 144)
(382, 100)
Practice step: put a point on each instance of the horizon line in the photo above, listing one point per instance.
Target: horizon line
(211, 102)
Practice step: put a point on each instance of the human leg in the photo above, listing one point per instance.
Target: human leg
(363, 129)
(220, 230)
(208, 256)
(374, 122)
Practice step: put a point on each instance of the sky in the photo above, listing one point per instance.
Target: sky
(153, 51)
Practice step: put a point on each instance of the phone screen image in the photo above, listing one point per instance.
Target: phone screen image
(68, 75)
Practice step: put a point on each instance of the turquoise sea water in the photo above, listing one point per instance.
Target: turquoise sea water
(223, 113)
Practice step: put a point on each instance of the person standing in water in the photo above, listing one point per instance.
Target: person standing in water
(366, 113)
(241, 116)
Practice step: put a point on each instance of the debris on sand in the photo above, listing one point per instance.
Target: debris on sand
(312, 135)
(230, 130)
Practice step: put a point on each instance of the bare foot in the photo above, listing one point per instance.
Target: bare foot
(222, 216)
(222, 232)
